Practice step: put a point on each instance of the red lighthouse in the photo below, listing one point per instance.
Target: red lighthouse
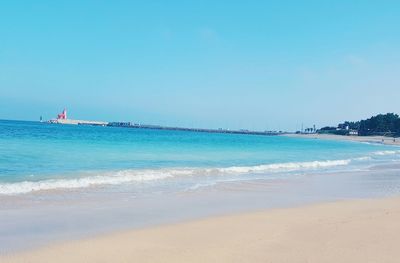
(63, 115)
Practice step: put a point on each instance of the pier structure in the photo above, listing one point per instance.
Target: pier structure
(159, 127)
(62, 119)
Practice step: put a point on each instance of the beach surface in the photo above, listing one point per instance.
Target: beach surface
(342, 231)
(369, 139)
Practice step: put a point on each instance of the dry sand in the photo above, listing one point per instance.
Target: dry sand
(370, 139)
(346, 231)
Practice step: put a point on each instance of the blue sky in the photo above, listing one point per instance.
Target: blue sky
(231, 64)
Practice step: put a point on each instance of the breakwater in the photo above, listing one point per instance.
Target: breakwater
(160, 127)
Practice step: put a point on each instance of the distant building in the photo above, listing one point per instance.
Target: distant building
(353, 132)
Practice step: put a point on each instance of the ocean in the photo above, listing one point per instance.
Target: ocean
(63, 182)
(37, 157)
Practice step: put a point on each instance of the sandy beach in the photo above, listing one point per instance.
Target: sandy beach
(370, 139)
(166, 132)
(344, 231)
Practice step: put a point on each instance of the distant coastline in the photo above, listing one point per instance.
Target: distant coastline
(368, 139)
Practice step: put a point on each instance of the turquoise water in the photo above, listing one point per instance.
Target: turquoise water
(38, 156)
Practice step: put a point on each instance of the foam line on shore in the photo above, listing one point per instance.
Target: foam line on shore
(131, 176)
(139, 176)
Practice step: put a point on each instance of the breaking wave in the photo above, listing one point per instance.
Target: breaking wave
(139, 176)
(149, 175)
(387, 152)
(284, 166)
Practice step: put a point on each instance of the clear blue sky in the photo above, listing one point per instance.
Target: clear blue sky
(231, 64)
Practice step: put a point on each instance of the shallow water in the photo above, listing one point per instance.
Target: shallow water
(36, 219)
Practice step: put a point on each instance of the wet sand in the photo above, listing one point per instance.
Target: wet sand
(343, 231)
(369, 139)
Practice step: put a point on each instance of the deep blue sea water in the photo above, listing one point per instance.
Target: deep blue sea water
(39, 156)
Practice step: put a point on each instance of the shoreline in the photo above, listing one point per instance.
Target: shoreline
(367, 139)
(352, 230)
(64, 217)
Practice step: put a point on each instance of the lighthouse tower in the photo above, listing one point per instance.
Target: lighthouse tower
(63, 115)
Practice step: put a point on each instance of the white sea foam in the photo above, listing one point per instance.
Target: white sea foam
(364, 158)
(386, 152)
(139, 176)
(201, 185)
(121, 177)
(285, 166)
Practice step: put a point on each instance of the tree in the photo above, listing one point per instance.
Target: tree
(379, 124)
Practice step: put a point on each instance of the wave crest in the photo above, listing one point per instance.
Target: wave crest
(138, 176)
(387, 152)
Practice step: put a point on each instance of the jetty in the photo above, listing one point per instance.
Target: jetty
(79, 122)
(62, 119)
(220, 130)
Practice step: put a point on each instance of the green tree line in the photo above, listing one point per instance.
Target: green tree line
(381, 124)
